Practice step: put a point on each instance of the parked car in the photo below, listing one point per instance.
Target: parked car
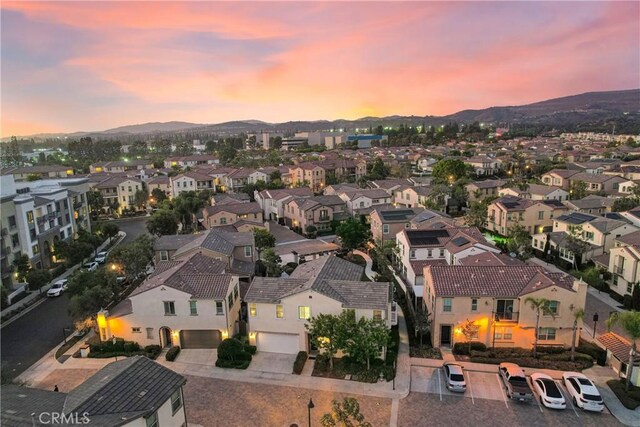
(58, 288)
(583, 392)
(90, 266)
(548, 390)
(454, 377)
(121, 280)
(515, 382)
(101, 258)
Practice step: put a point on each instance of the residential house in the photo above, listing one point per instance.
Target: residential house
(191, 302)
(279, 308)
(190, 181)
(386, 223)
(161, 182)
(361, 201)
(618, 350)
(346, 170)
(131, 392)
(191, 161)
(308, 175)
(237, 179)
(120, 166)
(479, 190)
(535, 216)
(119, 191)
(272, 201)
(318, 212)
(624, 263)
(230, 213)
(494, 299)
(558, 178)
(591, 204)
(606, 184)
(26, 173)
(484, 166)
(536, 192)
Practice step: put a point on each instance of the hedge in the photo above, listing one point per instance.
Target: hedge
(172, 353)
(237, 364)
(251, 349)
(593, 350)
(233, 353)
(153, 351)
(301, 359)
(463, 347)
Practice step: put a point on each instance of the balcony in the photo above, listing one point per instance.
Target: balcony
(618, 269)
(507, 316)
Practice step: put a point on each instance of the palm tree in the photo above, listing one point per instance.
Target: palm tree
(578, 315)
(630, 321)
(541, 306)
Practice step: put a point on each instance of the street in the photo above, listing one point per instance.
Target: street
(28, 338)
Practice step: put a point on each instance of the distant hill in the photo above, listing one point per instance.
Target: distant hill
(591, 108)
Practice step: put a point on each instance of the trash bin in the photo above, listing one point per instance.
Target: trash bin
(84, 351)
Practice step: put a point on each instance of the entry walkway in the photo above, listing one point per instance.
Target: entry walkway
(368, 269)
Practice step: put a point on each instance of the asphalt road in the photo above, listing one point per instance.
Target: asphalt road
(28, 338)
(594, 305)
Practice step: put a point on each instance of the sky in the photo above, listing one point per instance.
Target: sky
(89, 66)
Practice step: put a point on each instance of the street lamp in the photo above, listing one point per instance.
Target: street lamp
(595, 322)
(310, 406)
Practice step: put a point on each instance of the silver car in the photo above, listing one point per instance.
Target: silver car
(454, 377)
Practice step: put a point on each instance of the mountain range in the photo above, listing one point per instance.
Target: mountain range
(568, 110)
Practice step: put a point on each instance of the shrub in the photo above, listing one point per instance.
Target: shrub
(153, 351)
(463, 347)
(230, 349)
(298, 365)
(251, 349)
(599, 354)
(630, 399)
(551, 349)
(172, 353)
(322, 362)
(627, 301)
(130, 346)
(237, 364)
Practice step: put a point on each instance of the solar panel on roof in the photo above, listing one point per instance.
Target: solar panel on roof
(426, 237)
(459, 241)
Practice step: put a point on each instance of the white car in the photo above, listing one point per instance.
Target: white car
(58, 288)
(101, 258)
(90, 266)
(454, 377)
(583, 392)
(548, 390)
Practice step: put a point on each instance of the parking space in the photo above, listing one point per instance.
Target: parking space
(486, 385)
(428, 380)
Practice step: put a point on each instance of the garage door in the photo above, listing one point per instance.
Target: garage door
(277, 343)
(193, 338)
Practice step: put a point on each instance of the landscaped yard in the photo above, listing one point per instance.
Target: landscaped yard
(549, 358)
(630, 399)
(344, 368)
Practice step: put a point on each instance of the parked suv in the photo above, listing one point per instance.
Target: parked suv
(515, 382)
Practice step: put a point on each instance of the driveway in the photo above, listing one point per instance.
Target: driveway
(272, 362)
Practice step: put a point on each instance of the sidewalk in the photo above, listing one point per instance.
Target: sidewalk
(605, 298)
(33, 295)
(368, 269)
(600, 375)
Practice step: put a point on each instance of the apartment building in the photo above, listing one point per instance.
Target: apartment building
(494, 299)
(308, 175)
(26, 173)
(118, 190)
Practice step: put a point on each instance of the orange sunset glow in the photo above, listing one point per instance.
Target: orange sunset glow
(85, 66)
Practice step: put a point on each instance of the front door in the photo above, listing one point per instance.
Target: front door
(445, 335)
(165, 337)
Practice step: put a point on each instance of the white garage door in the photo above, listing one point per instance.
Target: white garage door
(277, 343)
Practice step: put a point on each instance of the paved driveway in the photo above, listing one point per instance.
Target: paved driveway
(211, 403)
(272, 362)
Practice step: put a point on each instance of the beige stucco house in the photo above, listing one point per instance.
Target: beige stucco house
(535, 216)
(624, 263)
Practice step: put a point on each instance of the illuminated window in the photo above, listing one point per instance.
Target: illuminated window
(279, 311)
(304, 312)
(253, 310)
(30, 217)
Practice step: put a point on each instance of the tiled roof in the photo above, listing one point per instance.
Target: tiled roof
(235, 208)
(503, 281)
(617, 345)
(631, 239)
(286, 192)
(418, 266)
(328, 268)
(590, 202)
(489, 259)
(218, 241)
(490, 183)
(18, 403)
(172, 242)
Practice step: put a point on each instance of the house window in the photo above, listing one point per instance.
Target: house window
(136, 330)
(377, 314)
(553, 307)
(385, 228)
(30, 217)
(253, 310)
(230, 301)
(223, 220)
(441, 253)
(407, 225)
(193, 308)
(629, 287)
(149, 333)
(474, 304)
(546, 334)
(176, 401)
(429, 253)
(304, 312)
(503, 333)
(169, 308)
(152, 420)
(235, 292)
(279, 311)
(446, 305)
(164, 256)
(541, 215)
(219, 309)
(248, 251)
(413, 254)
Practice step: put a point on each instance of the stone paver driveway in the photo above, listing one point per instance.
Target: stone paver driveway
(65, 379)
(204, 356)
(219, 403)
(278, 363)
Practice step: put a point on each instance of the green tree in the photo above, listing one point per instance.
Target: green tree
(519, 241)
(578, 316)
(74, 252)
(625, 204)
(158, 195)
(541, 307)
(95, 201)
(635, 297)
(187, 205)
(22, 267)
(271, 261)
(263, 240)
(89, 302)
(449, 171)
(476, 216)
(345, 414)
(576, 245)
(37, 279)
(366, 338)
(134, 257)
(330, 332)
(578, 190)
(110, 230)
(140, 198)
(630, 321)
(352, 234)
(163, 222)
(378, 170)
(470, 330)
